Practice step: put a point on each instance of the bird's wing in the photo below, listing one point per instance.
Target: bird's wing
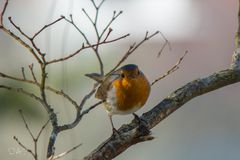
(106, 85)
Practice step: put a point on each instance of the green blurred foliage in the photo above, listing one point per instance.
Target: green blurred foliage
(12, 101)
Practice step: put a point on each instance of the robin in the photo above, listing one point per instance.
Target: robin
(124, 91)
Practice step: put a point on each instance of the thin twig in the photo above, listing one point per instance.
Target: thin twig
(41, 130)
(24, 147)
(28, 37)
(166, 43)
(23, 73)
(18, 28)
(16, 79)
(78, 118)
(35, 140)
(85, 47)
(61, 92)
(32, 72)
(108, 34)
(87, 15)
(86, 97)
(131, 49)
(94, 24)
(65, 153)
(18, 39)
(77, 28)
(46, 26)
(26, 125)
(114, 17)
(58, 129)
(2, 14)
(171, 70)
(92, 107)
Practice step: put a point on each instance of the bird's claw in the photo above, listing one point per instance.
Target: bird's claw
(142, 124)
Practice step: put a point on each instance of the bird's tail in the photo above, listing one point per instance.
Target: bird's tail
(95, 76)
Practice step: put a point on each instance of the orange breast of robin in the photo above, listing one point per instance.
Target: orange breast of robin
(131, 93)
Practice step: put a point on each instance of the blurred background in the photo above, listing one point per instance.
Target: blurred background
(207, 127)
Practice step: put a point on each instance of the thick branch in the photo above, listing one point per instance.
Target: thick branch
(236, 56)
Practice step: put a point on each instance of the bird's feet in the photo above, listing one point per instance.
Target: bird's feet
(115, 132)
(142, 124)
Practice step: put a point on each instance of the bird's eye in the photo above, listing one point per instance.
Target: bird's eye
(122, 75)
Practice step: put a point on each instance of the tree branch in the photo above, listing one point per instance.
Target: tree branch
(20, 90)
(65, 153)
(171, 70)
(131, 49)
(46, 26)
(236, 56)
(58, 92)
(3, 11)
(24, 147)
(35, 140)
(85, 47)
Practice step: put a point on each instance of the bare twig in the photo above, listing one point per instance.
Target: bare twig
(108, 34)
(87, 15)
(3, 11)
(18, 28)
(18, 39)
(83, 48)
(23, 73)
(15, 36)
(16, 79)
(114, 17)
(59, 129)
(24, 147)
(86, 97)
(171, 70)
(35, 140)
(28, 37)
(32, 73)
(41, 130)
(65, 153)
(91, 108)
(46, 26)
(71, 21)
(26, 125)
(166, 43)
(20, 90)
(131, 49)
(78, 118)
(94, 24)
(61, 93)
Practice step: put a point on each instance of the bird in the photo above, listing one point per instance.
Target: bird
(124, 91)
